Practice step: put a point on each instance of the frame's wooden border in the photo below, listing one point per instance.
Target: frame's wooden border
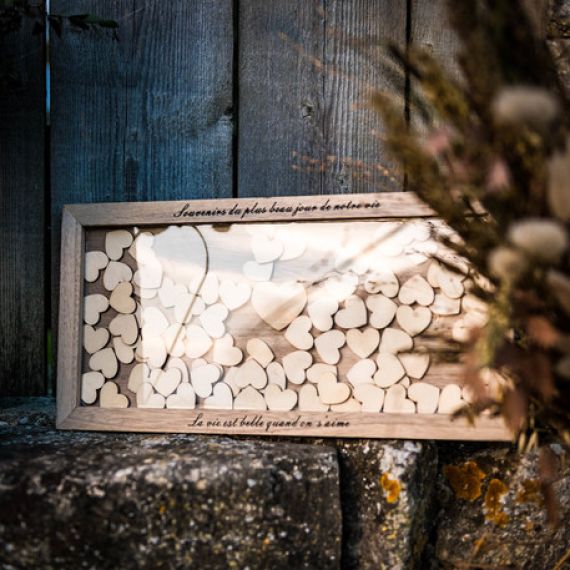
(71, 415)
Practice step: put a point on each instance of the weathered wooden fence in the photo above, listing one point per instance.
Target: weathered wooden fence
(197, 98)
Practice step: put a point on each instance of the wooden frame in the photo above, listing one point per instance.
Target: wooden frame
(77, 219)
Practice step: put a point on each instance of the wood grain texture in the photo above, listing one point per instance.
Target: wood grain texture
(148, 117)
(22, 228)
(304, 76)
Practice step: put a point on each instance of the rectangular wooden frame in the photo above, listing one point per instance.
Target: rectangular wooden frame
(71, 415)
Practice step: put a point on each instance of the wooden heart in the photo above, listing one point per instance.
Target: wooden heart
(234, 295)
(105, 361)
(316, 371)
(443, 305)
(321, 312)
(115, 273)
(203, 377)
(124, 352)
(121, 299)
(265, 249)
(221, 398)
(109, 397)
(187, 305)
(351, 405)
(90, 383)
(93, 306)
(425, 395)
(184, 399)
(126, 327)
(395, 340)
(260, 351)
(174, 338)
(395, 401)
(152, 350)
(143, 293)
(450, 282)
(416, 290)
(141, 248)
(449, 399)
(363, 343)
(251, 373)
(331, 391)
(154, 322)
(276, 375)
(258, 271)
(149, 276)
(413, 321)
(140, 373)
(148, 398)
(383, 282)
(390, 370)
(361, 372)
(225, 353)
(309, 400)
(405, 382)
(166, 382)
(278, 305)
(94, 339)
(249, 399)
(415, 363)
(207, 287)
(212, 320)
(295, 364)
(353, 315)
(279, 400)
(179, 364)
(169, 292)
(95, 261)
(340, 287)
(382, 310)
(328, 345)
(371, 397)
(116, 241)
(298, 334)
(293, 244)
(229, 380)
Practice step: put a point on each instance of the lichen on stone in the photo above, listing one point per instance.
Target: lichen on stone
(530, 492)
(392, 488)
(465, 480)
(494, 504)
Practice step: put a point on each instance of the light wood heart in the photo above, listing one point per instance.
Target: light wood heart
(116, 272)
(141, 248)
(221, 398)
(148, 398)
(251, 373)
(278, 305)
(371, 397)
(149, 276)
(395, 401)
(124, 352)
(382, 310)
(197, 342)
(229, 380)
(225, 353)
(212, 319)
(390, 370)
(174, 338)
(328, 345)
(331, 391)
(94, 339)
(318, 370)
(276, 375)
(450, 282)
(166, 382)
(265, 249)
(415, 363)
(117, 241)
(279, 400)
(395, 340)
(444, 306)
(95, 261)
(258, 271)
(425, 395)
(143, 293)
(154, 322)
(140, 373)
(250, 399)
(295, 364)
(413, 320)
(384, 282)
(208, 288)
(363, 343)
(340, 287)
(187, 305)
(179, 364)
(93, 306)
(449, 399)
(321, 312)
(298, 334)
(121, 299)
(90, 383)
(234, 295)
(354, 314)
(126, 327)
(169, 292)
(260, 351)
(361, 372)
(152, 350)
(309, 400)
(184, 399)
(203, 377)
(109, 397)
(105, 362)
(351, 405)
(293, 244)
(416, 290)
